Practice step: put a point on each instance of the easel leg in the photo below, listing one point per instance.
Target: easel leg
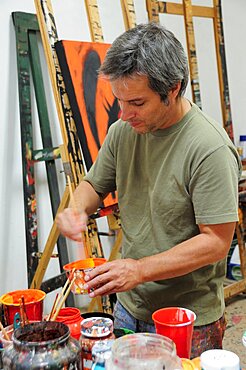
(49, 246)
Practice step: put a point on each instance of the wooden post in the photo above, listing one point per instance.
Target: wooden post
(190, 37)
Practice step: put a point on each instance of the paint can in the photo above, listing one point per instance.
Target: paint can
(72, 318)
(33, 304)
(219, 359)
(45, 345)
(93, 330)
(81, 267)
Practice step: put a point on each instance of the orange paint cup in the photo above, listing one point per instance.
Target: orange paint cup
(33, 304)
(71, 316)
(177, 324)
(81, 267)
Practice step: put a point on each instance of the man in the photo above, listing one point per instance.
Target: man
(176, 173)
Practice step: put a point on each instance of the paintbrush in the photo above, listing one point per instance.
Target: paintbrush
(5, 334)
(74, 207)
(60, 295)
(63, 297)
(26, 321)
(22, 319)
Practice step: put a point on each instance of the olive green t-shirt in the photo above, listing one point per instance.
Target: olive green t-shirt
(168, 182)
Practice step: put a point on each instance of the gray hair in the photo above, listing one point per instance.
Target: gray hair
(150, 50)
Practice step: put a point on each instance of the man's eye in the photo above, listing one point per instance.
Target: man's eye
(137, 104)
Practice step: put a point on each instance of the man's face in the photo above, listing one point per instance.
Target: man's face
(142, 107)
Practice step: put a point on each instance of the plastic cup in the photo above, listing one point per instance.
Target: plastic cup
(33, 304)
(81, 267)
(177, 324)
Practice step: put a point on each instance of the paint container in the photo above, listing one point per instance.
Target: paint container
(93, 329)
(45, 345)
(81, 268)
(177, 324)
(188, 364)
(87, 315)
(219, 359)
(33, 304)
(101, 352)
(4, 342)
(72, 318)
(143, 351)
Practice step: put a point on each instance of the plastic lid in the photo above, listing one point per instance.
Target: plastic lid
(217, 359)
(242, 137)
(97, 327)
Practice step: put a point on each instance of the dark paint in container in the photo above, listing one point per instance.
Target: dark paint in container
(43, 345)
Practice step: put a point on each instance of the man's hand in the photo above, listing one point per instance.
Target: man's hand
(71, 223)
(113, 277)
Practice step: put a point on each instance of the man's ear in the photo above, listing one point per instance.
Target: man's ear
(173, 93)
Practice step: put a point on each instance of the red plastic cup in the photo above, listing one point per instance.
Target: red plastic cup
(33, 304)
(177, 324)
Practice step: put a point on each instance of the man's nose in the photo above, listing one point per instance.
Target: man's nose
(126, 112)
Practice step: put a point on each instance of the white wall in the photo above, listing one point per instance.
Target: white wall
(72, 24)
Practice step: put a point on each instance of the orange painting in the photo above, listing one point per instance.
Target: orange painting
(93, 104)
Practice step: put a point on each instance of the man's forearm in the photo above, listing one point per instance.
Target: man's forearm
(86, 198)
(208, 247)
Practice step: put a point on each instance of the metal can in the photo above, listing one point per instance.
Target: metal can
(93, 330)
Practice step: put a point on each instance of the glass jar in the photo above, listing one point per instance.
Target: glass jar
(93, 329)
(101, 351)
(42, 345)
(143, 351)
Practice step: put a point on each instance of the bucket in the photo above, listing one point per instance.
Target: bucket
(81, 267)
(72, 318)
(177, 324)
(33, 304)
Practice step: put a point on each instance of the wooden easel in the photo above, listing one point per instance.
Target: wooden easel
(28, 64)
(71, 151)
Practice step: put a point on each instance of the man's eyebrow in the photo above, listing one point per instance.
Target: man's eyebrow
(132, 100)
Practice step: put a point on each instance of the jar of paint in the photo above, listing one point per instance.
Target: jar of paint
(80, 268)
(143, 351)
(101, 351)
(72, 318)
(45, 345)
(93, 329)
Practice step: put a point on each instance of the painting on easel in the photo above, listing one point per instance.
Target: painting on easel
(93, 104)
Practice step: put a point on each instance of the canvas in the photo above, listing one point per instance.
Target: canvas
(93, 104)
